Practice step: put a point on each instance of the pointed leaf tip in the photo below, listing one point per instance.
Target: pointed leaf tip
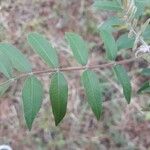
(42, 47)
(78, 46)
(58, 95)
(93, 92)
(32, 95)
(18, 60)
(109, 43)
(124, 80)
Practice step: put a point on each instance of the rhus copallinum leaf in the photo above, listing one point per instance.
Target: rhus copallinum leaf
(58, 96)
(79, 47)
(107, 5)
(18, 60)
(109, 43)
(124, 42)
(124, 80)
(32, 95)
(44, 49)
(111, 24)
(5, 65)
(141, 4)
(93, 92)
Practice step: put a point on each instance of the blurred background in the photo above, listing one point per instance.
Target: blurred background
(122, 126)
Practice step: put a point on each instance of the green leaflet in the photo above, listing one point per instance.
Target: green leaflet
(93, 92)
(107, 5)
(5, 65)
(141, 4)
(4, 88)
(78, 46)
(119, 2)
(42, 47)
(146, 34)
(18, 60)
(58, 96)
(110, 24)
(124, 80)
(124, 42)
(109, 43)
(32, 95)
(145, 88)
(146, 72)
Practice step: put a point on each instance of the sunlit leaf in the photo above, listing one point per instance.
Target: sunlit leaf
(93, 92)
(32, 95)
(58, 96)
(42, 47)
(78, 46)
(18, 60)
(124, 80)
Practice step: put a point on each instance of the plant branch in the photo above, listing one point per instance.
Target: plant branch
(68, 69)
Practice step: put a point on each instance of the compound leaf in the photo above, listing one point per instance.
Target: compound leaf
(124, 80)
(78, 46)
(58, 96)
(109, 43)
(93, 92)
(18, 60)
(5, 65)
(42, 47)
(32, 95)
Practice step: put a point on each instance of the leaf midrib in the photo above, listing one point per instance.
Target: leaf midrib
(16, 60)
(92, 92)
(36, 40)
(80, 56)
